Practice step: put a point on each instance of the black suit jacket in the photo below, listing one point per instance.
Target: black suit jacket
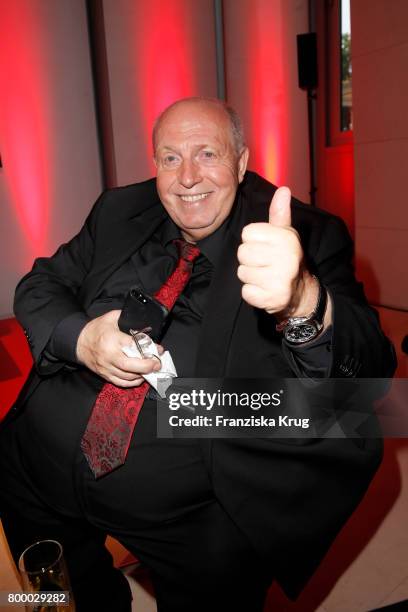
(290, 497)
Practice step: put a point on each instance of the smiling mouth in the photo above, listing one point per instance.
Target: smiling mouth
(194, 198)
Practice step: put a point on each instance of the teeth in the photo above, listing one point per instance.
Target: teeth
(194, 198)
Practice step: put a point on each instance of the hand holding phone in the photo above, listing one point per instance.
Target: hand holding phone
(141, 311)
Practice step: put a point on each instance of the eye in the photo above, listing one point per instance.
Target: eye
(207, 154)
(170, 160)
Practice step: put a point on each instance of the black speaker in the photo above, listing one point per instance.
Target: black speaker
(307, 60)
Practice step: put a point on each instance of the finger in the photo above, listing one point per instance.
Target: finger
(136, 380)
(263, 278)
(111, 371)
(258, 232)
(112, 315)
(126, 384)
(256, 254)
(134, 365)
(255, 296)
(268, 233)
(279, 210)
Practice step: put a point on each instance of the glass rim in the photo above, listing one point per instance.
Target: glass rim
(49, 566)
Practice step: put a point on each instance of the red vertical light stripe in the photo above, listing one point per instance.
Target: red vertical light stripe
(266, 85)
(24, 121)
(164, 57)
(257, 81)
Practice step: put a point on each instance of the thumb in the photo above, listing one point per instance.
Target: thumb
(279, 210)
(112, 315)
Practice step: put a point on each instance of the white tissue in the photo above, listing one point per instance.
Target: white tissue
(162, 379)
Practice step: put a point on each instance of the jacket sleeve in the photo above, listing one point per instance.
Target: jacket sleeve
(359, 347)
(49, 293)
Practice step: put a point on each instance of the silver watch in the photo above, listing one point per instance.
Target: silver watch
(298, 330)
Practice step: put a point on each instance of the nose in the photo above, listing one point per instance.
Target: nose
(189, 173)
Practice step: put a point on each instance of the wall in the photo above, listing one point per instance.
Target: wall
(156, 52)
(48, 140)
(380, 101)
(159, 52)
(261, 70)
(334, 150)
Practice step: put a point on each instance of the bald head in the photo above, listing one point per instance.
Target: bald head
(205, 104)
(200, 160)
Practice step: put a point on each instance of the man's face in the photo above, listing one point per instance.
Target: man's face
(198, 169)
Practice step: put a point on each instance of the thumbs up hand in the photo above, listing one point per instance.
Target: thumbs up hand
(271, 264)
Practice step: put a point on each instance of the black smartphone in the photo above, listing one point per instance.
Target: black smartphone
(141, 311)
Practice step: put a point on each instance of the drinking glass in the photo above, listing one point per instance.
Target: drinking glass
(43, 570)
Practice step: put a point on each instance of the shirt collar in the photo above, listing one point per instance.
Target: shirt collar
(210, 246)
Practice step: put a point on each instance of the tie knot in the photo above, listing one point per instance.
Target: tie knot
(187, 251)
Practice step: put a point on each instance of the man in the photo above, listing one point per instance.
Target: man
(215, 521)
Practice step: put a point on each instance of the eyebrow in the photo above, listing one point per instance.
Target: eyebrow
(198, 146)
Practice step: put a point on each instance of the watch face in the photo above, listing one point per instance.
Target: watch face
(298, 334)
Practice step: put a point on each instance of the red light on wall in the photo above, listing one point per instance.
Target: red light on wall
(268, 112)
(258, 80)
(164, 56)
(24, 121)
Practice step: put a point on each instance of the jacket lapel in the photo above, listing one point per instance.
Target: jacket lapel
(122, 240)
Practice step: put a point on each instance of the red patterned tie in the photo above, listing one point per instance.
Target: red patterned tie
(110, 427)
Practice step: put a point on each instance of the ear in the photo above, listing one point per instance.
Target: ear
(242, 163)
(154, 161)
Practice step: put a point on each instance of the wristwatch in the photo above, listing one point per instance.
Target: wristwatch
(298, 330)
